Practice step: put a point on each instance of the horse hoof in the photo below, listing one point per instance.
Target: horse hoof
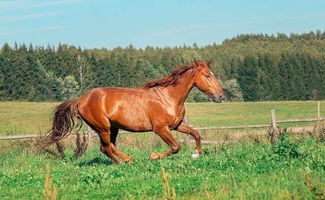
(196, 154)
(129, 161)
(154, 156)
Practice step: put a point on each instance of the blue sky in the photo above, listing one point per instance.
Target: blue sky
(112, 23)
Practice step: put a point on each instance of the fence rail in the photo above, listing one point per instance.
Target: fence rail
(273, 123)
(19, 137)
(300, 120)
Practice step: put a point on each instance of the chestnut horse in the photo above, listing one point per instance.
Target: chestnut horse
(157, 107)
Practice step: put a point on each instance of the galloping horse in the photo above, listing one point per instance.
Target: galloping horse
(157, 107)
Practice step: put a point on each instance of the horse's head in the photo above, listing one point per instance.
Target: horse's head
(206, 81)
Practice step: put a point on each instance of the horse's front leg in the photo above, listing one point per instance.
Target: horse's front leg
(165, 134)
(184, 128)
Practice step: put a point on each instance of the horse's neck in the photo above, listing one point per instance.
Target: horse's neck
(180, 92)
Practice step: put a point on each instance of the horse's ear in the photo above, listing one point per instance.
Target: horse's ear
(196, 62)
(209, 63)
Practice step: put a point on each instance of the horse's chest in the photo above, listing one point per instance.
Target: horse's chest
(177, 119)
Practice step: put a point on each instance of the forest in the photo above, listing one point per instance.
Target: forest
(251, 67)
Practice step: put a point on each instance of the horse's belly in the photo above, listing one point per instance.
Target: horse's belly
(131, 117)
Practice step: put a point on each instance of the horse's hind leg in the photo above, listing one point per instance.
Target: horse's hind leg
(126, 158)
(165, 135)
(92, 112)
(101, 127)
(104, 134)
(106, 145)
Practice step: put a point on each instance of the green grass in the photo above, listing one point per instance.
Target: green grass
(249, 113)
(292, 168)
(250, 168)
(28, 118)
(25, 117)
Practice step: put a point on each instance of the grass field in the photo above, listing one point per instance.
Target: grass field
(239, 167)
(28, 118)
(292, 168)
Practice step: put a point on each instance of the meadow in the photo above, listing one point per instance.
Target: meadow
(250, 168)
(32, 117)
(240, 166)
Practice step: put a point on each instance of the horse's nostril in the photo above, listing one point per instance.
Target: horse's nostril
(223, 97)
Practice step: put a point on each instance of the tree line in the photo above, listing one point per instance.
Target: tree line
(251, 67)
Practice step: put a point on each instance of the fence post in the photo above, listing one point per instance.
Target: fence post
(318, 110)
(273, 118)
(89, 132)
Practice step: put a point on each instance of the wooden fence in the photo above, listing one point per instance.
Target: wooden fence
(273, 123)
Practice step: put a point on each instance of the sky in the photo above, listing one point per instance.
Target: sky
(112, 23)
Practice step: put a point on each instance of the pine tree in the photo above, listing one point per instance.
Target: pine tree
(248, 79)
(2, 79)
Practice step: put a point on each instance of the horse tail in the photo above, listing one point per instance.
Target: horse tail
(64, 121)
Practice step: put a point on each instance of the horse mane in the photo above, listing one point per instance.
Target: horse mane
(170, 80)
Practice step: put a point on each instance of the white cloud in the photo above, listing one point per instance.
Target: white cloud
(28, 4)
(28, 16)
(52, 28)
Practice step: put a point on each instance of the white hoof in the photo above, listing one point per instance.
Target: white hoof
(195, 154)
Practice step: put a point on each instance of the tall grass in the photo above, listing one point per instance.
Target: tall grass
(248, 167)
(169, 192)
(50, 191)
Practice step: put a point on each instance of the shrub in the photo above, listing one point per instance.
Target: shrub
(284, 147)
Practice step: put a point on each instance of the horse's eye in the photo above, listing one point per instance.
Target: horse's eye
(208, 76)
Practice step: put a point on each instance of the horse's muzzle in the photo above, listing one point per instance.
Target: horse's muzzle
(217, 98)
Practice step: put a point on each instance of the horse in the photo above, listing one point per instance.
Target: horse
(157, 107)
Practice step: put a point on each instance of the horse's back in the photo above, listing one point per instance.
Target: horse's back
(126, 108)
